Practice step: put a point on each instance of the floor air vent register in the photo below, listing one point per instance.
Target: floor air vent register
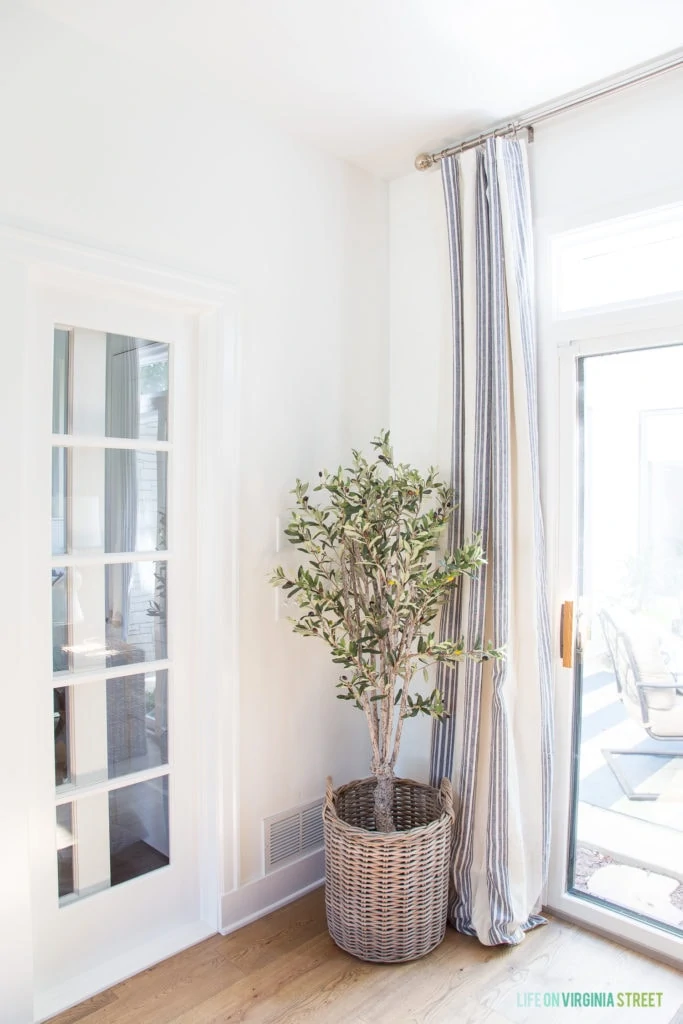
(293, 833)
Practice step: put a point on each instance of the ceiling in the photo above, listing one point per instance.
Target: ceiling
(376, 81)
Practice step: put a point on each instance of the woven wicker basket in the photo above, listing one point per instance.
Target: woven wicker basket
(386, 893)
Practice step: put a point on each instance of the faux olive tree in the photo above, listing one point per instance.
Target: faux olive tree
(371, 586)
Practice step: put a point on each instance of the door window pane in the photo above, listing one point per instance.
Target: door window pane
(59, 492)
(110, 838)
(61, 657)
(135, 500)
(136, 609)
(136, 388)
(111, 385)
(138, 829)
(121, 723)
(115, 502)
(60, 382)
(65, 851)
(61, 717)
(136, 722)
(108, 615)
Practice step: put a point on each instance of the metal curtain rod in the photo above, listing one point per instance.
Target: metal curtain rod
(526, 121)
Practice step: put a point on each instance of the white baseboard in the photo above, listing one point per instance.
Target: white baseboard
(247, 904)
(47, 1004)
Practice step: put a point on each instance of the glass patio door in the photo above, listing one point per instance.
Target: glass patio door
(115, 850)
(622, 529)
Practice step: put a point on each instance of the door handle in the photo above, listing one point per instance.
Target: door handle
(567, 634)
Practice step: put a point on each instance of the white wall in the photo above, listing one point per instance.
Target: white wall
(421, 363)
(105, 152)
(612, 157)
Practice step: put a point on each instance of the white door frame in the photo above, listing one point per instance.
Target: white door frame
(29, 263)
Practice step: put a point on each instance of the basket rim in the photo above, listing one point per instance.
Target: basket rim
(397, 836)
(399, 780)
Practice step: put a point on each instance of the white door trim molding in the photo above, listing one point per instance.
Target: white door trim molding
(37, 250)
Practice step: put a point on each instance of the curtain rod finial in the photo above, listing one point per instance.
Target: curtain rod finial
(423, 161)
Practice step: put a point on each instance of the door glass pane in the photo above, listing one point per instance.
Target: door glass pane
(65, 851)
(135, 500)
(136, 388)
(628, 822)
(137, 722)
(60, 382)
(111, 384)
(59, 492)
(116, 500)
(61, 656)
(136, 608)
(138, 829)
(109, 838)
(126, 723)
(108, 615)
(61, 717)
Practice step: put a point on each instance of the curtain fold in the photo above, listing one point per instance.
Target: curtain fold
(496, 746)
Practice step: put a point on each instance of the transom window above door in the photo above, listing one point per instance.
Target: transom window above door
(626, 261)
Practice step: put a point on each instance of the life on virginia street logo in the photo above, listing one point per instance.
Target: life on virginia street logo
(573, 1000)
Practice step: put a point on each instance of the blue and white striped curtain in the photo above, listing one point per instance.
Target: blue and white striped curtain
(497, 745)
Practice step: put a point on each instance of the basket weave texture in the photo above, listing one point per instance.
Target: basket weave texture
(386, 893)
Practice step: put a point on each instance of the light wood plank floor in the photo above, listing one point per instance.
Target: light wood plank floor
(284, 969)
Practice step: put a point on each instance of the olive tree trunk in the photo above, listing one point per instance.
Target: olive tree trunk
(384, 799)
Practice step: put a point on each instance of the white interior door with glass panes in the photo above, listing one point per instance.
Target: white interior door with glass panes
(116, 859)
